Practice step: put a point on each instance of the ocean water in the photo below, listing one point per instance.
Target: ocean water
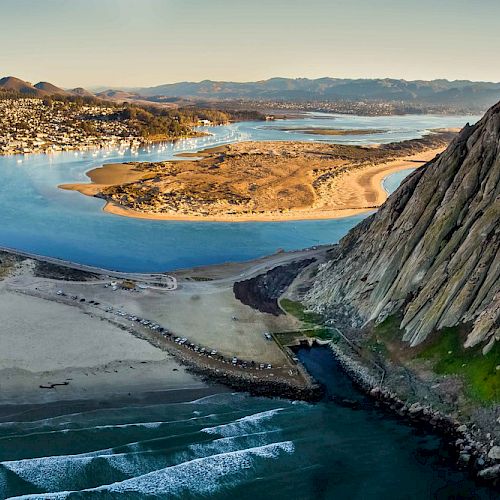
(224, 446)
(232, 446)
(37, 217)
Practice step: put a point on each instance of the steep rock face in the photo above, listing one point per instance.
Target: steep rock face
(431, 251)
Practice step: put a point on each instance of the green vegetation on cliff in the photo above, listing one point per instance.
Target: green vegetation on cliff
(385, 333)
(478, 371)
(446, 354)
(312, 323)
(444, 351)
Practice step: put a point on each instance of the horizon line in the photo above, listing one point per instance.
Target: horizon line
(125, 86)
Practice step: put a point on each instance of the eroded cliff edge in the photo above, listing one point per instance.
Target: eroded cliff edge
(430, 253)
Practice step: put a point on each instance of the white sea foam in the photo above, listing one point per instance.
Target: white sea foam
(57, 418)
(199, 476)
(3, 484)
(53, 471)
(137, 463)
(98, 412)
(48, 472)
(211, 398)
(140, 462)
(227, 444)
(245, 424)
(144, 425)
(38, 496)
(58, 472)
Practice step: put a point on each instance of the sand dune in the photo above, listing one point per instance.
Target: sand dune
(258, 181)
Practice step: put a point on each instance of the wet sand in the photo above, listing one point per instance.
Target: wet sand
(110, 174)
(45, 342)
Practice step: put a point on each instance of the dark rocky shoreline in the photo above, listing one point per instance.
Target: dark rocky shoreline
(270, 389)
(309, 391)
(472, 453)
(471, 448)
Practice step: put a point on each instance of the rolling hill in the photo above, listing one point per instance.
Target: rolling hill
(482, 94)
(40, 89)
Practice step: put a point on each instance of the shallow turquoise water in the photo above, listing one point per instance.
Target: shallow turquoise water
(38, 217)
(229, 446)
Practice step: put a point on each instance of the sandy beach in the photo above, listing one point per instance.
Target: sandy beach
(102, 177)
(357, 191)
(256, 182)
(45, 342)
(65, 338)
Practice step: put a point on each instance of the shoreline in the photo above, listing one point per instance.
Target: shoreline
(145, 359)
(469, 445)
(363, 184)
(33, 410)
(142, 142)
(472, 451)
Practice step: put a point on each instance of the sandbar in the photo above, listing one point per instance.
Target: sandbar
(254, 182)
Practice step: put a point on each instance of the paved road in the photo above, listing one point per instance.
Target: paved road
(168, 281)
(164, 280)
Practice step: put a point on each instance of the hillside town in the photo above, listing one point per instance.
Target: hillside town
(33, 125)
(348, 107)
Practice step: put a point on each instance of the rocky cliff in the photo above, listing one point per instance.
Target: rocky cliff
(431, 252)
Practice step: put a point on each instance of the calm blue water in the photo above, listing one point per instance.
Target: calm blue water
(231, 446)
(395, 128)
(38, 217)
(392, 182)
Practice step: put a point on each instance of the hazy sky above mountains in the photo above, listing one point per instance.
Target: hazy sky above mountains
(149, 42)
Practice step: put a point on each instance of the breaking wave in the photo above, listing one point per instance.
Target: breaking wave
(198, 476)
(247, 424)
(67, 471)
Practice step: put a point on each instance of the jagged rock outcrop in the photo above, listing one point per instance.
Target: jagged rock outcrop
(431, 251)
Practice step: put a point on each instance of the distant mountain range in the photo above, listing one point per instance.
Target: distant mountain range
(44, 89)
(481, 94)
(40, 89)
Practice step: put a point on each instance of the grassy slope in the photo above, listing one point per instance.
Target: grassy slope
(312, 323)
(445, 351)
(478, 370)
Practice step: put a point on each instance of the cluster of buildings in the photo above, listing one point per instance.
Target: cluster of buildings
(348, 107)
(370, 108)
(32, 125)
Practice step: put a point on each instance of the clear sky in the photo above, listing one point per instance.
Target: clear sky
(149, 42)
